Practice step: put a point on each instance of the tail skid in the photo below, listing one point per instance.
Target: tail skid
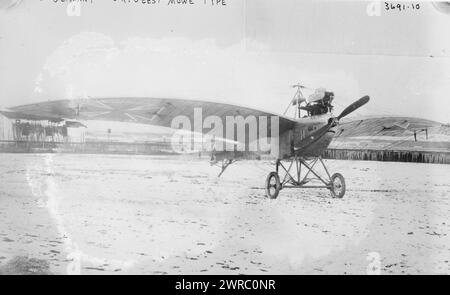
(224, 163)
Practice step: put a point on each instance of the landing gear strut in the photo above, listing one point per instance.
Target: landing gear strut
(335, 183)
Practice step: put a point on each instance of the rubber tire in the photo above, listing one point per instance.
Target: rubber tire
(277, 188)
(333, 192)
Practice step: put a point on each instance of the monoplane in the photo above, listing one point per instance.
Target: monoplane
(296, 143)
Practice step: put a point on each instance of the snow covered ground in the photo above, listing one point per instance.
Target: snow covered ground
(101, 214)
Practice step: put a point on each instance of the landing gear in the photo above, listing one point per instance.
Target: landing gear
(335, 183)
(273, 185)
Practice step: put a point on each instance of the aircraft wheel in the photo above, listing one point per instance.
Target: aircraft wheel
(273, 185)
(337, 185)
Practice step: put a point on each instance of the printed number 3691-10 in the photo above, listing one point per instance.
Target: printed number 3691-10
(401, 6)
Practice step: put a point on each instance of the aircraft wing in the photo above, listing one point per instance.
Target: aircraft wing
(152, 111)
(32, 117)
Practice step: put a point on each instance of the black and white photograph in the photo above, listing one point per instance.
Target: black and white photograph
(224, 137)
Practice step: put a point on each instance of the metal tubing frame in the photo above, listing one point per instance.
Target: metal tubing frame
(290, 182)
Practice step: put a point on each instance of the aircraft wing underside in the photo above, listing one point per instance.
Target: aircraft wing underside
(152, 111)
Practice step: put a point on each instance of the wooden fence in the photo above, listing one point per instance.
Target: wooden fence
(388, 155)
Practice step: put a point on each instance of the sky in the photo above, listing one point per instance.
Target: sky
(245, 52)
